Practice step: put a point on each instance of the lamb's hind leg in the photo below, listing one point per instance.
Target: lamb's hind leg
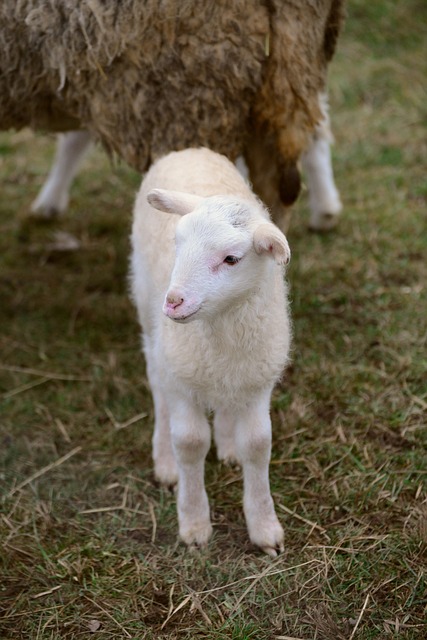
(165, 468)
(225, 437)
(253, 439)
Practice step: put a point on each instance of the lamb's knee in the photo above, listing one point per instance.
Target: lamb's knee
(255, 447)
(190, 445)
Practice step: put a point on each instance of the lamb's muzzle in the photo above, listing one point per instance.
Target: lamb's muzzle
(178, 308)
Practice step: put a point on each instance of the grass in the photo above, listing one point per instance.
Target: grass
(89, 542)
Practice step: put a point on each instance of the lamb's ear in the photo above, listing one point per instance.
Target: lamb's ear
(269, 239)
(173, 201)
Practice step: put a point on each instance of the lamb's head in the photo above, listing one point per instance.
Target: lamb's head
(225, 247)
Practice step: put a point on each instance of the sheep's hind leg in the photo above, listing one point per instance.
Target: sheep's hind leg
(54, 195)
(191, 440)
(324, 198)
(253, 431)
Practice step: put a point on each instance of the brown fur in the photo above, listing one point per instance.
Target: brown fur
(147, 77)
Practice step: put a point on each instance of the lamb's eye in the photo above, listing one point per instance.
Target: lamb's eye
(231, 260)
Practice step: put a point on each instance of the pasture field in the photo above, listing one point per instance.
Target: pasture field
(88, 541)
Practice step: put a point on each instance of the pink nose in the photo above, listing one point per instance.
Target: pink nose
(173, 300)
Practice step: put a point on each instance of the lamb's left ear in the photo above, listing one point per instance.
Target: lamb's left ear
(269, 239)
(173, 201)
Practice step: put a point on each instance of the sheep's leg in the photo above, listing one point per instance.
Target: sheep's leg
(264, 174)
(54, 195)
(253, 439)
(324, 199)
(191, 440)
(225, 437)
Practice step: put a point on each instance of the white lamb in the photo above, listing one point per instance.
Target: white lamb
(207, 280)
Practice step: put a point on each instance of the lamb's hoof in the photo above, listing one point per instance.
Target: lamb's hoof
(273, 552)
(269, 536)
(197, 535)
(166, 473)
(230, 461)
(226, 452)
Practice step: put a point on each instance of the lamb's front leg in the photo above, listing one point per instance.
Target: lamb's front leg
(253, 439)
(191, 440)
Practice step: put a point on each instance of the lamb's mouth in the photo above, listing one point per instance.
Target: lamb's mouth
(187, 318)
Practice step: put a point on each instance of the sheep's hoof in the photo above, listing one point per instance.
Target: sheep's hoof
(44, 214)
(325, 220)
(49, 204)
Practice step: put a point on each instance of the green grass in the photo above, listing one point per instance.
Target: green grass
(89, 543)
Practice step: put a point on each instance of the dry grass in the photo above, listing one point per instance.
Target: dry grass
(89, 542)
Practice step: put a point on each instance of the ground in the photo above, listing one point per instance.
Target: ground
(88, 540)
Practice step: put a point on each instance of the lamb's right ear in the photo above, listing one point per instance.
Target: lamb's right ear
(269, 239)
(173, 201)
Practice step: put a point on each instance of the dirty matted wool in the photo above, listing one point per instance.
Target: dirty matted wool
(149, 76)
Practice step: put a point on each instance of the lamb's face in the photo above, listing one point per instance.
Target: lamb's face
(225, 248)
(216, 264)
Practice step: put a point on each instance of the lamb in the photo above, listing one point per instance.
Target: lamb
(146, 78)
(207, 282)
(324, 199)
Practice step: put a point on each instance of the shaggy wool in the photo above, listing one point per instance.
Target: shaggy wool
(150, 76)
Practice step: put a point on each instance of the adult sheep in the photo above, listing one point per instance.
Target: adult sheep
(207, 280)
(144, 78)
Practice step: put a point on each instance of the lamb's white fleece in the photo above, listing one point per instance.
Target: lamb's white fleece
(211, 297)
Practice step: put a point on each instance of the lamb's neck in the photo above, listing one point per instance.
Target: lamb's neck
(255, 307)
